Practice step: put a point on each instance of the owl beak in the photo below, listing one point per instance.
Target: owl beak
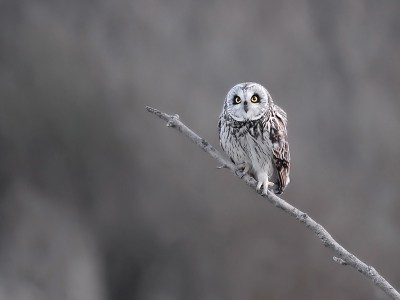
(246, 108)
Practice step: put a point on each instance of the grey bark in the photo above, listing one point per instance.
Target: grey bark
(344, 257)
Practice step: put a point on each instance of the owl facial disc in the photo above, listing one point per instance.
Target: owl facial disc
(247, 101)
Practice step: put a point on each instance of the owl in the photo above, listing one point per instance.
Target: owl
(252, 131)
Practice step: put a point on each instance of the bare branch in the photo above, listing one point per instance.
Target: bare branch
(343, 256)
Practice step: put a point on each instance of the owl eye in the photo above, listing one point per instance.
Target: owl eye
(237, 100)
(254, 99)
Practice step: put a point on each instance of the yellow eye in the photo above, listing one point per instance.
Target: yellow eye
(254, 99)
(237, 100)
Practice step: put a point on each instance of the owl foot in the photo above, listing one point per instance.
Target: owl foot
(266, 184)
(244, 167)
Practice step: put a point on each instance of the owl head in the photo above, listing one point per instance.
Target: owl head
(247, 101)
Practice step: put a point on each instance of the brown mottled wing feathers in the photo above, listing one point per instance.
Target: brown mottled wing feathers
(280, 151)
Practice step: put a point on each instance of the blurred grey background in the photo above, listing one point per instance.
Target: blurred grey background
(100, 200)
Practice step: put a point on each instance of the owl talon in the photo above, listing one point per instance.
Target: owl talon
(244, 168)
(239, 174)
(266, 184)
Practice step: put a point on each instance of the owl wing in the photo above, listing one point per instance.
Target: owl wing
(280, 146)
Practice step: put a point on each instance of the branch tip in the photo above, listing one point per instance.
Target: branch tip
(152, 110)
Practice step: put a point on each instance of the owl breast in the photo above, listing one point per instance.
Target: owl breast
(260, 153)
(245, 143)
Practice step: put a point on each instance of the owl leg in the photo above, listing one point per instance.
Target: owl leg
(263, 181)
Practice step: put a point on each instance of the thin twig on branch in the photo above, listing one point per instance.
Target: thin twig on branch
(343, 256)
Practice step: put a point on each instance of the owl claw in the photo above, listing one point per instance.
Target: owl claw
(265, 184)
(244, 168)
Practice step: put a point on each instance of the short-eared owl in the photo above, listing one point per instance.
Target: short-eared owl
(252, 131)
